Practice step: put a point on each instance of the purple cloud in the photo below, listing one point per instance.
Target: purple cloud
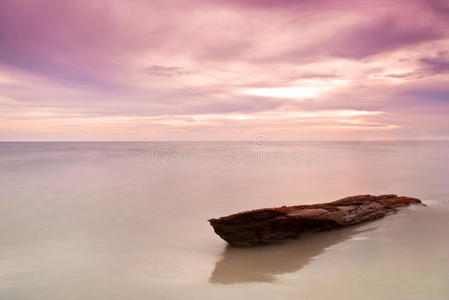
(165, 71)
(144, 64)
(436, 64)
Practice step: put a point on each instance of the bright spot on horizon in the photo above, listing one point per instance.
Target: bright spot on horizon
(288, 92)
(350, 113)
(307, 89)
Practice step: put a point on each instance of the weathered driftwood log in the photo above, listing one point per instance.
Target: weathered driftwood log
(267, 225)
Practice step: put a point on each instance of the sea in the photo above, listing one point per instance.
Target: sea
(129, 220)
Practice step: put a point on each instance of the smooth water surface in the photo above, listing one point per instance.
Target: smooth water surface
(107, 221)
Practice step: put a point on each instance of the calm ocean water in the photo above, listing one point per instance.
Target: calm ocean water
(107, 221)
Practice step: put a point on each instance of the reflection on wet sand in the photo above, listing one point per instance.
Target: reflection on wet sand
(261, 264)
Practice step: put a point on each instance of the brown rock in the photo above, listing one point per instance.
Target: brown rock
(268, 225)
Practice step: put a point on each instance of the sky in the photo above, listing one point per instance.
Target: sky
(224, 69)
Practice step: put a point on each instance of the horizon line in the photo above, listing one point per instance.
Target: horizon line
(190, 141)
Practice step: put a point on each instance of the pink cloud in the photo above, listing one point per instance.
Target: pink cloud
(123, 64)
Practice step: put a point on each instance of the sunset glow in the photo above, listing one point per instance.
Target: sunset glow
(190, 70)
(293, 92)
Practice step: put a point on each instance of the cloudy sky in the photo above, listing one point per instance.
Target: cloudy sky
(224, 69)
